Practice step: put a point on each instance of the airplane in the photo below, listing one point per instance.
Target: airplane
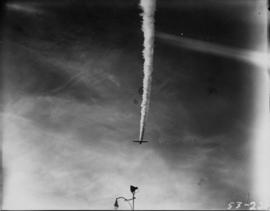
(140, 140)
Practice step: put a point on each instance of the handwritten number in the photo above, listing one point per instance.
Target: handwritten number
(239, 203)
(230, 205)
(252, 205)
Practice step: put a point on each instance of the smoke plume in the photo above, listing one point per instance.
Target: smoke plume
(148, 7)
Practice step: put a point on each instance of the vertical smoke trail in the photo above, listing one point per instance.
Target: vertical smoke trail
(148, 7)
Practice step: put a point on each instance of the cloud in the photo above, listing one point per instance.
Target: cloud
(27, 8)
(69, 170)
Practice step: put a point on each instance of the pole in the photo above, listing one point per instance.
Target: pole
(133, 208)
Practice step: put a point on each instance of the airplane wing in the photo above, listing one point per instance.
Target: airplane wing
(138, 141)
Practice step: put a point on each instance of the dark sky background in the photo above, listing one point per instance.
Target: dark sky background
(72, 75)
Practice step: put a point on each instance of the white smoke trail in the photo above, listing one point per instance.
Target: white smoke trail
(148, 7)
(259, 58)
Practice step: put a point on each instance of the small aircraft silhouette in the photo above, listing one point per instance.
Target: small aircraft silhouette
(140, 140)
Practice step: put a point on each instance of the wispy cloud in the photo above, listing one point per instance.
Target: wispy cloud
(24, 7)
(82, 171)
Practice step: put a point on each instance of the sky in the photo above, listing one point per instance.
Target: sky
(71, 89)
